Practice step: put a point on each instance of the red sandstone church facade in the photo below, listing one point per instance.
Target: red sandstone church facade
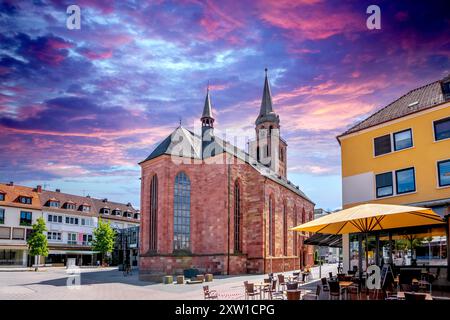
(207, 204)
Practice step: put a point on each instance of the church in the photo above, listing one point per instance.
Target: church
(210, 205)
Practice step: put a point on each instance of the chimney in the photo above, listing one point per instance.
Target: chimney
(58, 190)
(39, 188)
(105, 200)
(11, 183)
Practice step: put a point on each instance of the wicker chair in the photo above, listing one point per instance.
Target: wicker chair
(209, 294)
(311, 296)
(250, 290)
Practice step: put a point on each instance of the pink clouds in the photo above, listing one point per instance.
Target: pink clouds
(310, 19)
(97, 55)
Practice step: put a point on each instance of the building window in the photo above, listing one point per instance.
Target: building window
(382, 145)
(18, 234)
(384, 184)
(2, 197)
(54, 218)
(182, 212)
(444, 173)
(85, 208)
(54, 204)
(285, 230)
(442, 129)
(71, 206)
(271, 227)
(25, 200)
(403, 140)
(104, 210)
(72, 238)
(54, 236)
(405, 181)
(237, 218)
(2, 216)
(153, 213)
(5, 233)
(71, 220)
(116, 212)
(25, 218)
(87, 239)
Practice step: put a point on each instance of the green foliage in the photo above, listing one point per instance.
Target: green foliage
(37, 242)
(104, 237)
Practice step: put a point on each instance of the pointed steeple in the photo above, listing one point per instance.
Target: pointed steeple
(207, 112)
(266, 112)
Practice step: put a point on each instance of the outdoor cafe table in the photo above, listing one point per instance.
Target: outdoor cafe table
(345, 285)
(401, 296)
(262, 286)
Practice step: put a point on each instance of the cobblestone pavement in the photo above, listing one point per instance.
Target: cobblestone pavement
(110, 284)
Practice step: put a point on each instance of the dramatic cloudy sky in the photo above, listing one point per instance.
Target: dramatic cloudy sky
(80, 108)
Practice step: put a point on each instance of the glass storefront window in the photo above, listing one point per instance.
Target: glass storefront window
(354, 251)
(425, 246)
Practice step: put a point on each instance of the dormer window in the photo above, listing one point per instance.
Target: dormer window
(129, 214)
(117, 212)
(25, 200)
(53, 203)
(71, 206)
(85, 208)
(104, 210)
(136, 216)
(2, 197)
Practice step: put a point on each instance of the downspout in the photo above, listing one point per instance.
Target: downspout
(264, 225)
(229, 212)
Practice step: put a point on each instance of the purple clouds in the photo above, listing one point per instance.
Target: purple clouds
(96, 100)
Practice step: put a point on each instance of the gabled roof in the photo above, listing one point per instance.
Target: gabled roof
(191, 143)
(419, 99)
(13, 192)
(95, 204)
(181, 140)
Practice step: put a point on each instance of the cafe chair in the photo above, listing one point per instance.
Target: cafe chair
(335, 290)
(292, 286)
(325, 284)
(281, 282)
(311, 296)
(209, 294)
(250, 290)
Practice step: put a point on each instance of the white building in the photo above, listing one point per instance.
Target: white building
(19, 209)
(70, 221)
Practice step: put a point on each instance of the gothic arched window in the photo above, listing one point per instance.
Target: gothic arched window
(294, 233)
(271, 226)
(285, 230)
(153, 222)
(237, 218)
(182, 212)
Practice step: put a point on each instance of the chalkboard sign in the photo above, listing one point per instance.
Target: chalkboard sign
(387, 276)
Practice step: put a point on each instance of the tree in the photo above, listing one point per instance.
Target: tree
(104, 237)
(37, 242)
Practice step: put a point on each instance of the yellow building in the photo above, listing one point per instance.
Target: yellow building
(401, 155)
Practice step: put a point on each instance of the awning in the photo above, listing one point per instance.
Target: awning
(325, 240)
(371, 217)
(71, 252)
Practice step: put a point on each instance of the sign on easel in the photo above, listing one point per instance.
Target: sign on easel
(387, 270)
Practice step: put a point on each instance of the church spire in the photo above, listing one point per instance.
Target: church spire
(207, 118)
(266, 113)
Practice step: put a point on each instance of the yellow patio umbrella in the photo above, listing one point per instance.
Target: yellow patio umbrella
(371, 217)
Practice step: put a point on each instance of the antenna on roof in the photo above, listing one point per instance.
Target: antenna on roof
(180, 121)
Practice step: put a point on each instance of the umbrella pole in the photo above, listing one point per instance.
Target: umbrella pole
(367, 253)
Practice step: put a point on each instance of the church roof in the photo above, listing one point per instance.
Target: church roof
(185, 143)
(266, 112)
